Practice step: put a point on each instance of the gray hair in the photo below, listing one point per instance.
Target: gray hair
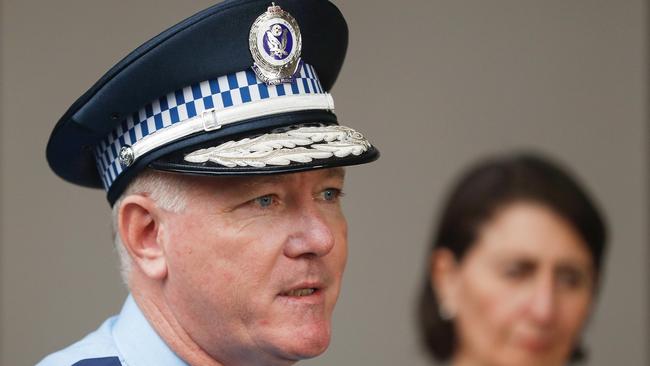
(165, 189)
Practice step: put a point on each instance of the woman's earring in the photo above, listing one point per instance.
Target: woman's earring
(445, 313)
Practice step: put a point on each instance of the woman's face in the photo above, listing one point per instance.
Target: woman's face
(522, 292)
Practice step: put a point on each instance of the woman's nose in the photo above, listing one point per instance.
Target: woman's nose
(542, 303)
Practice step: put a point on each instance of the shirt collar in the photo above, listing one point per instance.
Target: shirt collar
(138, 343)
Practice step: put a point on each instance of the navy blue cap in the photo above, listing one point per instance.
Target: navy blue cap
(238, 88)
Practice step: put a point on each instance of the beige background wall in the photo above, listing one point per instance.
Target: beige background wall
(435, 84)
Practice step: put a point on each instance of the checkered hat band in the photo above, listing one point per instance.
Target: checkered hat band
(218, 94)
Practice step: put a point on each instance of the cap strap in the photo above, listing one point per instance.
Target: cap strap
(214, 119)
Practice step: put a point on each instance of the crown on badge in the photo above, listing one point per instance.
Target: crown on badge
(274, 9)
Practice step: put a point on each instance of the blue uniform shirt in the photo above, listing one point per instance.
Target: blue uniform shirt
(126, 339)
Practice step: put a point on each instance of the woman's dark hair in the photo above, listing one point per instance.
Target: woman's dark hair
(486, 187)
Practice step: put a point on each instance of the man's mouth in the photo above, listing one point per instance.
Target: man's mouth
(299, 292)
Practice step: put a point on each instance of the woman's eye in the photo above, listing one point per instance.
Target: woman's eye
(518, 270)
(571, 278)
(264, 201)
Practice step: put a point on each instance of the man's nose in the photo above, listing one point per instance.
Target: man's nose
(542, 304)
(312, 234)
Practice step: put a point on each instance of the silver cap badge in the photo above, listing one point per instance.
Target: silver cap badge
(275, 44)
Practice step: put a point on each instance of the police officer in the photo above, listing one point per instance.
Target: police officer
(222, 158)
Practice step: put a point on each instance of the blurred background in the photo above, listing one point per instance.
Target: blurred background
(435, 84)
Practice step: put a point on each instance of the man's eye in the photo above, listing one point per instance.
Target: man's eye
(264, 201)
(331, 194)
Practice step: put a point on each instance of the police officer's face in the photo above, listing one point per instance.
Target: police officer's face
(522, 292)
(256, 263)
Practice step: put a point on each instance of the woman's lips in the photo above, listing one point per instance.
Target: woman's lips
(536, 345)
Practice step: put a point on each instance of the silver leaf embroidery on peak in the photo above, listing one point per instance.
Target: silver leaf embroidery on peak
(301, 145)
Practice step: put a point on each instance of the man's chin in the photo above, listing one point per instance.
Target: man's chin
(303, 342)
(307, 351)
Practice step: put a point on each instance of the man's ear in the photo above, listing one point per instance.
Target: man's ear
(139, 226)
(444, 279)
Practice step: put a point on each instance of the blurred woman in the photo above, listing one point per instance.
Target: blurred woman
(514, 266)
